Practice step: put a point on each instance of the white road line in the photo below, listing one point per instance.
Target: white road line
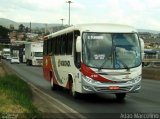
(55, 100)
(59, 109)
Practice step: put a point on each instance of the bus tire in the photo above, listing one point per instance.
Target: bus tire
(72, 91)
(53, 86)
(27, 63)
(30, 63)
(120, 96)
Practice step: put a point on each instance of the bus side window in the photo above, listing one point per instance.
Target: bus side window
(57, 46)
(45, 48)
(53, 46)
(66, 43)
(63, 44)
(49, 46)
(69, 43)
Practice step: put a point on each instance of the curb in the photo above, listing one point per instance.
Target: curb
(151, 73)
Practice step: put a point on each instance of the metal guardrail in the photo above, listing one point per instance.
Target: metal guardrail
(151, 58)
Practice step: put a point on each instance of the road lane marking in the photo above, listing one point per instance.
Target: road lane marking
(61, 110)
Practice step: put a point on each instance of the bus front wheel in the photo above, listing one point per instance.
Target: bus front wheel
(72, 90)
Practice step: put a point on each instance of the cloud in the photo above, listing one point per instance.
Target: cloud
(131, 12)
(137, 5)
(152, 23)
(47, 4)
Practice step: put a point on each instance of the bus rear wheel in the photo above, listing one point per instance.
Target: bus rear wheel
(120, 96)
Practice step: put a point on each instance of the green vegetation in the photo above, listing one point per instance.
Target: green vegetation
(1, 47)
(16, 97)
(4, 32)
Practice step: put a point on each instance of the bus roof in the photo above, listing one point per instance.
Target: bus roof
(103, 27)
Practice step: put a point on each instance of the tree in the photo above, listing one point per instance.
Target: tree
(21, 28)
(26, 29)
(11, 27)
(1, 47)
(4, 32)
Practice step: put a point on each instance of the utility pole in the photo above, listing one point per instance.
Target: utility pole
(69, 2)
(62, 21)
(46, 28)
(30, 27)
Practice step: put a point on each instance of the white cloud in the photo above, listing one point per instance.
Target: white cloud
(153, 23)
(155, 4)
(2, 15)
(78, 6)
(45, 4)
(137, 5)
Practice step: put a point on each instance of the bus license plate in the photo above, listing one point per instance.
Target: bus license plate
(113, 87)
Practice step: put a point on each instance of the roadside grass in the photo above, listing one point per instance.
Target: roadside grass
(16, 97)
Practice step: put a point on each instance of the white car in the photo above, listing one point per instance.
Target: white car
(8, 57)
(15, 60)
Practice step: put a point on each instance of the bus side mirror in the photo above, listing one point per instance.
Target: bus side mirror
(142, 47)
(78, 44)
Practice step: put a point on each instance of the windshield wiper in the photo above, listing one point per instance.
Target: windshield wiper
(106, 59)
(102, 64)
(124, 64)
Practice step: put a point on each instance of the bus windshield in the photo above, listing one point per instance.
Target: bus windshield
(111, 50)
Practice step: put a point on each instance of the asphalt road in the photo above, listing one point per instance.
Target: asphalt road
(146, 101)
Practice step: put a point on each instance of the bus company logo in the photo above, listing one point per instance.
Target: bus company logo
(64, 63)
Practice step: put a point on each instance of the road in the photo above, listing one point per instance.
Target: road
(146, 101)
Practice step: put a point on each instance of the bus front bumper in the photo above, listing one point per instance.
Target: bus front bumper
(131, 86)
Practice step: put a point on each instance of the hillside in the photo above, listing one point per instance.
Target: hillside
(150, 31)
(7, 23)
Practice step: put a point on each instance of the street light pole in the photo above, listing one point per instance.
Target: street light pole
(62, 21)
(69, 2)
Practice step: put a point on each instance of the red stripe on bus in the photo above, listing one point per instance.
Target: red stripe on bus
(47, 68)
(92, 74)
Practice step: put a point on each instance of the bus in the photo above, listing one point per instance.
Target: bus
(94, 58)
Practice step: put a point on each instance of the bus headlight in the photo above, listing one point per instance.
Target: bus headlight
(135, 80)
(90, 80)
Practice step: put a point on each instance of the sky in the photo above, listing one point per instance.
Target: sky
(142, 14)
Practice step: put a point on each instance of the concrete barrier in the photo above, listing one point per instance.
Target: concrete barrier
(151, 73)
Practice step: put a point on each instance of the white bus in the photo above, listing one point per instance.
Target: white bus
(94, 58)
